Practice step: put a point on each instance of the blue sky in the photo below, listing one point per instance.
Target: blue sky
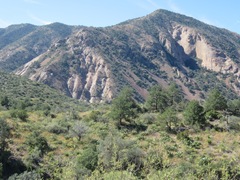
(221, 13)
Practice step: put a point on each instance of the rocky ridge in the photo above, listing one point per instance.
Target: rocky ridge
(93, 64)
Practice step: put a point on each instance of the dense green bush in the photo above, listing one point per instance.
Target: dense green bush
(4, 134)
(119, 175)
(87, 161)
(212, 115)
(26, 176)
(36, 141)
(79, 129)
(116, 153)
(57, 128)
(19, 113)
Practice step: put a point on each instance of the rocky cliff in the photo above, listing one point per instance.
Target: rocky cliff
(77, 68)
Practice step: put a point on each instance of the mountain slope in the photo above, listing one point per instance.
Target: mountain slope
(35, 96)
(21, 43)
(92, 64)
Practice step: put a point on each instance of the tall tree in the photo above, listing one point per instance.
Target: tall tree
(234, 106)
(194, 113)
(215, 101)
(169, 117)
(124, 107)
(157, 100)
(174, 94)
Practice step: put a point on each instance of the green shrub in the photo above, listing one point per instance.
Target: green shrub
(212, 115)
(4, 134)
(119, 175)
(36, 141)
(57, 129)
(21, 114)
(148, 118)
(87, 161)
(94, 116)
(184, 136)
(117, 153)
(79, 129)
(26, 176)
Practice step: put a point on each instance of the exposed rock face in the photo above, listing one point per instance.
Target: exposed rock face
(95, 85)
(88, 78)
(196, 45)
(93, 64)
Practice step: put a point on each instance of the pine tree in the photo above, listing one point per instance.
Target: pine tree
(215, 101)
(124, 107)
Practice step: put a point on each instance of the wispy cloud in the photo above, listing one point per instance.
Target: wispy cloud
(39, 20)
(174, 7)
(148, 5)
(153, 4)
(4, 23)
(32, 1)
(206, 20)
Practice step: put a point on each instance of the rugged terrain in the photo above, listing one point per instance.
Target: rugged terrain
(47, 135)
(93, 64)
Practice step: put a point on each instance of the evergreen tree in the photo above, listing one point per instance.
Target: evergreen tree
(124, 107)
(169, 117)
(157, 100)
(174, 95)
(5, 101)
(215, 101)
(194, 113)
(234, 106)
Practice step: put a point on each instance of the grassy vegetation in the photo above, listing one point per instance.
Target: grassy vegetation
(46, 135)
(90, 143)
(21, 93)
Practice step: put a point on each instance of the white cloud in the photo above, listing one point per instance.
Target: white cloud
(39, 20)
(4, 23)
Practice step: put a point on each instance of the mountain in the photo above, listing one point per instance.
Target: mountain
(93, 64)
(21, 43)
